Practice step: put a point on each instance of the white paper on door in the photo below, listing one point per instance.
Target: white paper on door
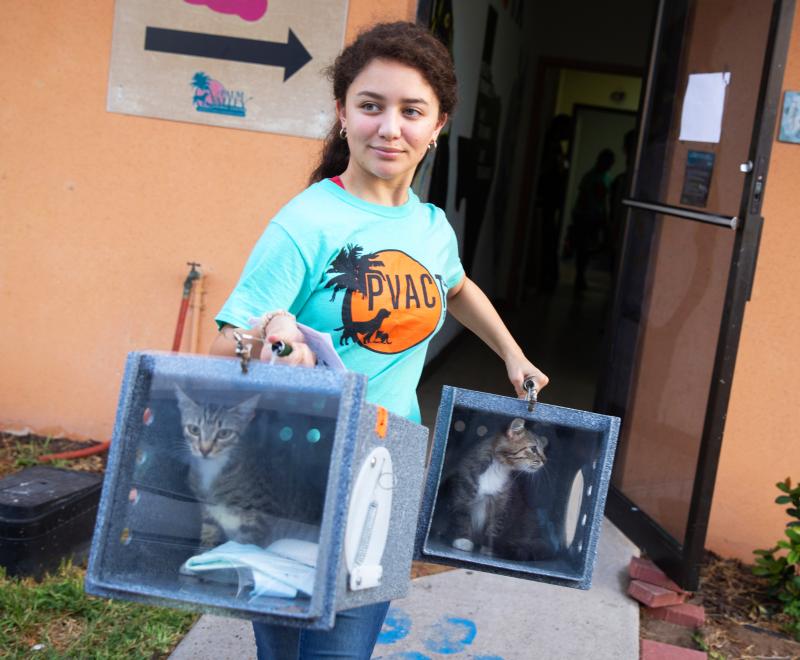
(703, 105)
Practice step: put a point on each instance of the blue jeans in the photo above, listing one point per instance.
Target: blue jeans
(353, 637)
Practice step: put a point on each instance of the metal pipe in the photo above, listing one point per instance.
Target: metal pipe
(197, 308)
(187, 291)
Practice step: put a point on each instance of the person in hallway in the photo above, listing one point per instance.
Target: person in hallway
(359, 223)
(590, 214)
(550, 192)
(620, 187)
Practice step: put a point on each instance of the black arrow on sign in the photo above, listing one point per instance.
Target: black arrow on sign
(292, 55)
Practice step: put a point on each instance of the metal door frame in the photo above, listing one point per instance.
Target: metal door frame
(682, 561)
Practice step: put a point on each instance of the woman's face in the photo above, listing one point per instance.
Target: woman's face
(391, 115)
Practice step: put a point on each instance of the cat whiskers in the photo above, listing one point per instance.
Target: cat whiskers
(178, 449)
(542, 477)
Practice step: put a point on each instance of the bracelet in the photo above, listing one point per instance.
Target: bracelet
(231, 332)
(266, 319)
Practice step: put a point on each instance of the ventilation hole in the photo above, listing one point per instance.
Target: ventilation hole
(589, 491)
(482, 431)
(584, 519)
(133, 496)
(148, 416)
(580, 546)
(459, 426)
(313, 435)
(141, 456)
(286, 434)
(125, 537)
(594, 465)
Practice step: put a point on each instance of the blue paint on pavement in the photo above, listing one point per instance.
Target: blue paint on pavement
(395, 627)
(404, 655)
(451, 635)
(486, 657)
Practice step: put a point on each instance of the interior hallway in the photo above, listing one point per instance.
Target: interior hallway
(561, 333)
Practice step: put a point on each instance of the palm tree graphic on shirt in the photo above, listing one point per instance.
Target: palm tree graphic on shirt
(351, 268)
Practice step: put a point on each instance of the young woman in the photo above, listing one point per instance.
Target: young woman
(358, 255)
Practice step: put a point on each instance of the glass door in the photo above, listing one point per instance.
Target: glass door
(689, 246)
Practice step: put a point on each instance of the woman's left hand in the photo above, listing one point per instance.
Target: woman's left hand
(519, 368)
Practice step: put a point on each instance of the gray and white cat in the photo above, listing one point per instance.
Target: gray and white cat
(219, 475)
(249, 494)
(478, 489)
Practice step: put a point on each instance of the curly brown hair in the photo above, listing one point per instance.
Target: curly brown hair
(407, 43)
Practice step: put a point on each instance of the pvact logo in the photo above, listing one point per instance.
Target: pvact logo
(391, 301)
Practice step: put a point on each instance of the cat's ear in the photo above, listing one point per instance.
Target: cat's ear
(517, 426)
(543, 441)
(185, 404)
(246, 409)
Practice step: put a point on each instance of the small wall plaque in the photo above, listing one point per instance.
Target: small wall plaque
(697, 178)
(790, 118)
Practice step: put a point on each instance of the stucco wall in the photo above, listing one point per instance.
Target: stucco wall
(761, 444)
(99, 212)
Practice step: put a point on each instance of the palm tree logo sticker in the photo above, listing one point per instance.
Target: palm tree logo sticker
(211, 96)
(351, 268)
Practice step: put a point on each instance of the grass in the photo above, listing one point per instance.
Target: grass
(54, 618)
(27, 454)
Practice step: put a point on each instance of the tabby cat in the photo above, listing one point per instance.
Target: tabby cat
(242, 493)
(478, 489)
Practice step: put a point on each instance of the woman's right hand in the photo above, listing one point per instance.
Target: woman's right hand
(280, 329)
(283, 328)
(300, 356)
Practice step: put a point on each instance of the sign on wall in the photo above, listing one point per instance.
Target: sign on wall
(253, 64)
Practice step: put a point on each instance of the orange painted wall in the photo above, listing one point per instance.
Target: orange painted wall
(761, 444)
(99, 213)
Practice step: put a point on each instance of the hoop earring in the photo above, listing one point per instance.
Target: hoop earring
(432, 144)
(343, 133)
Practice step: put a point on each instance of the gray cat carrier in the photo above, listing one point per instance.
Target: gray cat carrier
(279, 494)
(550, 524)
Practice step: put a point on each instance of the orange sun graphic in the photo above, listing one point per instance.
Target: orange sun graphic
(401, 307)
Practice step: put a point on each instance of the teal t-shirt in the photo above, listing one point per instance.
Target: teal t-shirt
(374, 277)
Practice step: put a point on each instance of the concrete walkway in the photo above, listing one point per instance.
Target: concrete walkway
(465, 615)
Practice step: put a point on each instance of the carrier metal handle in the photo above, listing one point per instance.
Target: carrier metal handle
(244, 350)
(531, 393)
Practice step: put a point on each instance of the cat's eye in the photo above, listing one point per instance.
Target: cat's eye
(193, 429)
(225, 434)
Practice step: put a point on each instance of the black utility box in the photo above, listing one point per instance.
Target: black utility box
(46, 514)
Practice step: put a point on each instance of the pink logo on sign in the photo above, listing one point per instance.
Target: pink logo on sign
(249, 10)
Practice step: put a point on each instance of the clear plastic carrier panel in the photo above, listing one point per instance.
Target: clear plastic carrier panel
(515, 492)
(231, 492)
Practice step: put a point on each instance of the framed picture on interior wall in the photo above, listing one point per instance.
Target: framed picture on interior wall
(790, 118)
